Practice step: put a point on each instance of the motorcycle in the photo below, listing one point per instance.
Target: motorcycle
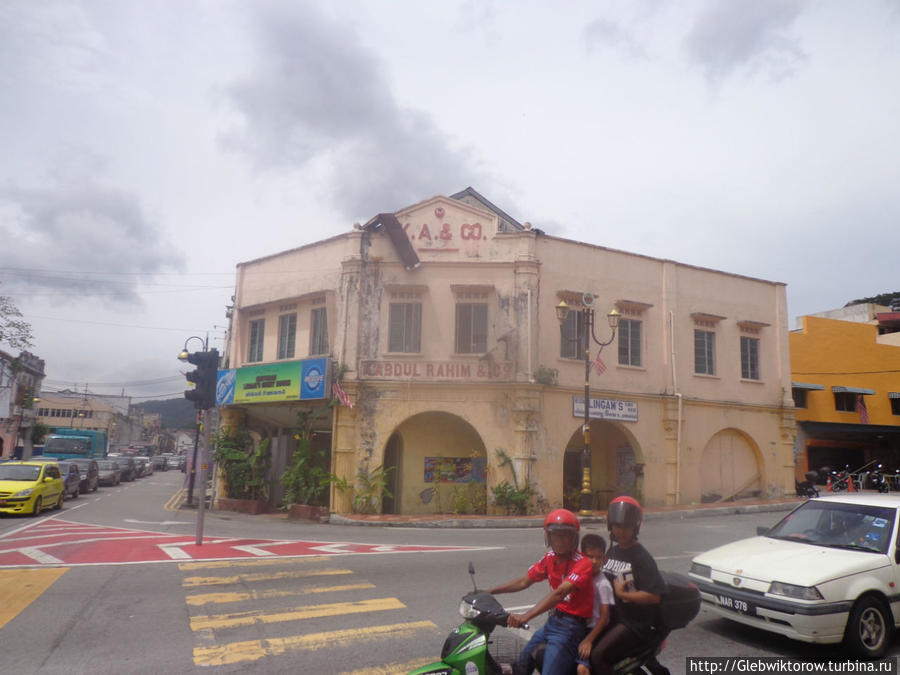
(807, 488)
(879, 481)
(466, 648)
(840, 480)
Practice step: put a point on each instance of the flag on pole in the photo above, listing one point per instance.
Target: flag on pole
(599, 366)
(861, 409)
(338, 392)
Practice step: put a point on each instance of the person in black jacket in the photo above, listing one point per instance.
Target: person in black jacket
(638, 586)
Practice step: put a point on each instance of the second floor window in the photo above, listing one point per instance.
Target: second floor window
(749, 358)
(844, 401)
(257, 333)
(629, 342)
(471, 328)
(318, 337)
(704, 352)
(799, 397)
(571, 337)
(405, 327)
(287, 334)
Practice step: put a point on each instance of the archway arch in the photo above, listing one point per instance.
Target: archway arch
(436, 462)
(616, 464)
(731, 466)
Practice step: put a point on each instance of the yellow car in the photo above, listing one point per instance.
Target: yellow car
(30, 487)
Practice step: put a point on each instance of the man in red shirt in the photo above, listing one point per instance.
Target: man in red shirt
(570, 601)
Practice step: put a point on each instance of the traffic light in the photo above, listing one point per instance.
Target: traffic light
(204, 378)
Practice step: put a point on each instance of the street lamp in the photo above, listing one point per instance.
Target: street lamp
(587, 327)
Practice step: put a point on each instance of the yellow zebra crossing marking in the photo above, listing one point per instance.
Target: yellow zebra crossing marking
(193, 582)
(222, 598)
(390, 668)
(255, 617)
(253, 650)
(249, 562)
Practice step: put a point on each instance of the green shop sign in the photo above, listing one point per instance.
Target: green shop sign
(273, 382)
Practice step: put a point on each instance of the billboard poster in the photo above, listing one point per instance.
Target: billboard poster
(273, 382)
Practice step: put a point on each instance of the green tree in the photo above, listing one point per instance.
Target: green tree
(13, 331)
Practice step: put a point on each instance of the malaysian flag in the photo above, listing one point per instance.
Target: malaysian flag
(599, 366)
(338, 392)
(861, 409)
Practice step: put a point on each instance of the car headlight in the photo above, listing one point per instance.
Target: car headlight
(24, 493)
(467, 610)
(794, 591)
(701, 570)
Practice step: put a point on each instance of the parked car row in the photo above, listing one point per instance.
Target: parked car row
(28, 487)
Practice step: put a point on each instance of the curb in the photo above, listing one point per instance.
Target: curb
(538, 521)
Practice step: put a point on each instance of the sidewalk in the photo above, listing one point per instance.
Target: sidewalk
(651, 513)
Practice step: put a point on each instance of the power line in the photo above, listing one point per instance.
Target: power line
(122, 325)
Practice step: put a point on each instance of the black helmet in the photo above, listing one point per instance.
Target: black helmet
(626, 512)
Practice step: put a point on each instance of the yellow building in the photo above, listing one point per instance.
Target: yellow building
(846, 387)
(440, 321)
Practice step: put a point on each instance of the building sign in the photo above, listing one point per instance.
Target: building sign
(458, 371)
(607, 409)
(272, 382)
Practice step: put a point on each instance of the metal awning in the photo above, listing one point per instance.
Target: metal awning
(853, 390)
(894, 394)
(807, 385)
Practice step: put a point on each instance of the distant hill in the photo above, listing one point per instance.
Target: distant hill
(880, 299)
(175, 413)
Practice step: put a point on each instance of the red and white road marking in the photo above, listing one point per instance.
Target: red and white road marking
(60, 542)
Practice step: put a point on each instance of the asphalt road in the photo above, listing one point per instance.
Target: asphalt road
(381, 612)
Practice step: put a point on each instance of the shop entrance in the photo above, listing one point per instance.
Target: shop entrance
(615, 467)
(730, 468)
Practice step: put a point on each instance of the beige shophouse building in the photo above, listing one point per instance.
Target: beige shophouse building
(440, 322)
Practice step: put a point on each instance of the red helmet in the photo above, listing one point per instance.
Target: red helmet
(625, 511)
(561, 520)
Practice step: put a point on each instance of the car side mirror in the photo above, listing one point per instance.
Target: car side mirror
(762, 530)
(47, 479)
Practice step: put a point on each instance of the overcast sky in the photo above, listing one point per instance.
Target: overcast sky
(148, 147)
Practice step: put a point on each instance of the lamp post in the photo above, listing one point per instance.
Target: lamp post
(587, 335)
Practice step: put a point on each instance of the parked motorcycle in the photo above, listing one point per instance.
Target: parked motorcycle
(878, 480)
(807, 488)
(840, 480)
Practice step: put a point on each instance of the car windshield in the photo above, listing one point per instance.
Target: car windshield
(107, 465)
(19, 472)
(856, 527)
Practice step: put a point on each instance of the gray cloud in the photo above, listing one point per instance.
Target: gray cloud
(745, 33)
(79, 238)
(317, 95)
(607, 33)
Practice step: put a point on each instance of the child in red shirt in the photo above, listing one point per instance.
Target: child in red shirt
(570, 601)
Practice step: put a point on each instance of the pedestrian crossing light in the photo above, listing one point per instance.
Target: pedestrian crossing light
(203, 377)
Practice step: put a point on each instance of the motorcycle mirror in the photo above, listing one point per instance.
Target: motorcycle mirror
(472, 574)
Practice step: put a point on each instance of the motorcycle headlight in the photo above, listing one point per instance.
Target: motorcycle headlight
(24, 493)
(467, 610)
(795, 592)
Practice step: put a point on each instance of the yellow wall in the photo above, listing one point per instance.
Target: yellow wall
(844, 353)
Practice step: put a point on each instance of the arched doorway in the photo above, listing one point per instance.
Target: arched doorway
(615, 465)
(437, 464)
(730, 468)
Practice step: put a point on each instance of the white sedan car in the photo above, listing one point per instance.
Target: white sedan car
(828, 572)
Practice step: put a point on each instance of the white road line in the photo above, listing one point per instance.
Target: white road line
(253, 550)
(40, 556)
(175, 552)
